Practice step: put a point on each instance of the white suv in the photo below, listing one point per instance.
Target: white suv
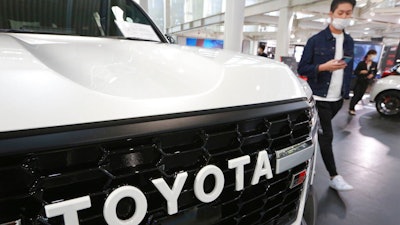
(104, 122)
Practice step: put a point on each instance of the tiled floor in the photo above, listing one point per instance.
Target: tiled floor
(367, 152)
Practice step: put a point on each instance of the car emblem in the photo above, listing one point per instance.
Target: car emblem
(298, 179)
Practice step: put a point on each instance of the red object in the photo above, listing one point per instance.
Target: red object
(298, 178)
(303, 77)
(393, 71)
(386, 73)
(302, 177)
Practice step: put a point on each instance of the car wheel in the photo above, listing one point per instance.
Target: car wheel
(388, 103)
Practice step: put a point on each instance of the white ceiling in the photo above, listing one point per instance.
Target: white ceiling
(372, 19)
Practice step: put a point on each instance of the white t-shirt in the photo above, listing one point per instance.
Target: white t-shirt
(335, 86)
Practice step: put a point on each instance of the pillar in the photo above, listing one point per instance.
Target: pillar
(234, 20)
(285, 25)
(167, 15)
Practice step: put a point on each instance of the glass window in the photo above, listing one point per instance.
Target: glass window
(183, 11)
(253, 2)
(156, 12)
(177, 12)
(116, 18)
(213, 7)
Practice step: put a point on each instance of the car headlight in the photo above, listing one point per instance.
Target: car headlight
(306, 88)
(314, 125)
(314, 117)
(313, 112)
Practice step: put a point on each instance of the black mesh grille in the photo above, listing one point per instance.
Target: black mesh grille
(30, 181)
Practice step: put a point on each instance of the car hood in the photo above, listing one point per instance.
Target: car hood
(391, 82)
(54, 80)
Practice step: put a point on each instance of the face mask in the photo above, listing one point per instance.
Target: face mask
(372, 57)
(340, 24)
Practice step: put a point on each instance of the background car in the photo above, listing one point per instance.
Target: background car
(386, 95)
(395, 70)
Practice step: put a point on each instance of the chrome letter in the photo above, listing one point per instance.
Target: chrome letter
(239, 163)
(110, 206)
(199, 183)
(263, 167)
(171, 195)
(68, 209)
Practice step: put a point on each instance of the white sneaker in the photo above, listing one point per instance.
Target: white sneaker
(339, 184)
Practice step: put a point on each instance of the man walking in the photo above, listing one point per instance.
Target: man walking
(329, 77)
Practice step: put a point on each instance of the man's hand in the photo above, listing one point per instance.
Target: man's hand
(332, 65)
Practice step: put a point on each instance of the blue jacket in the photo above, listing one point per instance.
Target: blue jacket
(319, 49)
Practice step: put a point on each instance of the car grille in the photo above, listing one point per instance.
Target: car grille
(31, 180)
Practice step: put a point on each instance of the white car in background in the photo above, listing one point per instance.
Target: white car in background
(386, 95)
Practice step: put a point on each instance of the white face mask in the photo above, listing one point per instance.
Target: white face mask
(340, 24)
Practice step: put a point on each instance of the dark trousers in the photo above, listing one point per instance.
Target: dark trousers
(359, 91)
(326, 112)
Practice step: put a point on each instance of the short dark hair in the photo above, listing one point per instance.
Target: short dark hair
(335, 3)
(370, 52)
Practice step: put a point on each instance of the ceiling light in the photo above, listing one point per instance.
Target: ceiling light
(267, 29)
(367, 28)
(369, 20)
(322, 20)
(361, 3)
(300, 15)
(274, 13)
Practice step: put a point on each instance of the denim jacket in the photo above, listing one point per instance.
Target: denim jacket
(319, 49)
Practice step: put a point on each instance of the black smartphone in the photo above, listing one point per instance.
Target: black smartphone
(347, 59)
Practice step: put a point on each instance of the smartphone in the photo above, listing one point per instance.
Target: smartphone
(347, 59)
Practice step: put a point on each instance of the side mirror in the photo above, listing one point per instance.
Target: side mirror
(170, 38)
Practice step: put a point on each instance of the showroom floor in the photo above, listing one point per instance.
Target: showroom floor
(367, 151)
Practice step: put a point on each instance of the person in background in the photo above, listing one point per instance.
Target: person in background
(271, 55)
(365, 73)
(329, 77)
(260, 51)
